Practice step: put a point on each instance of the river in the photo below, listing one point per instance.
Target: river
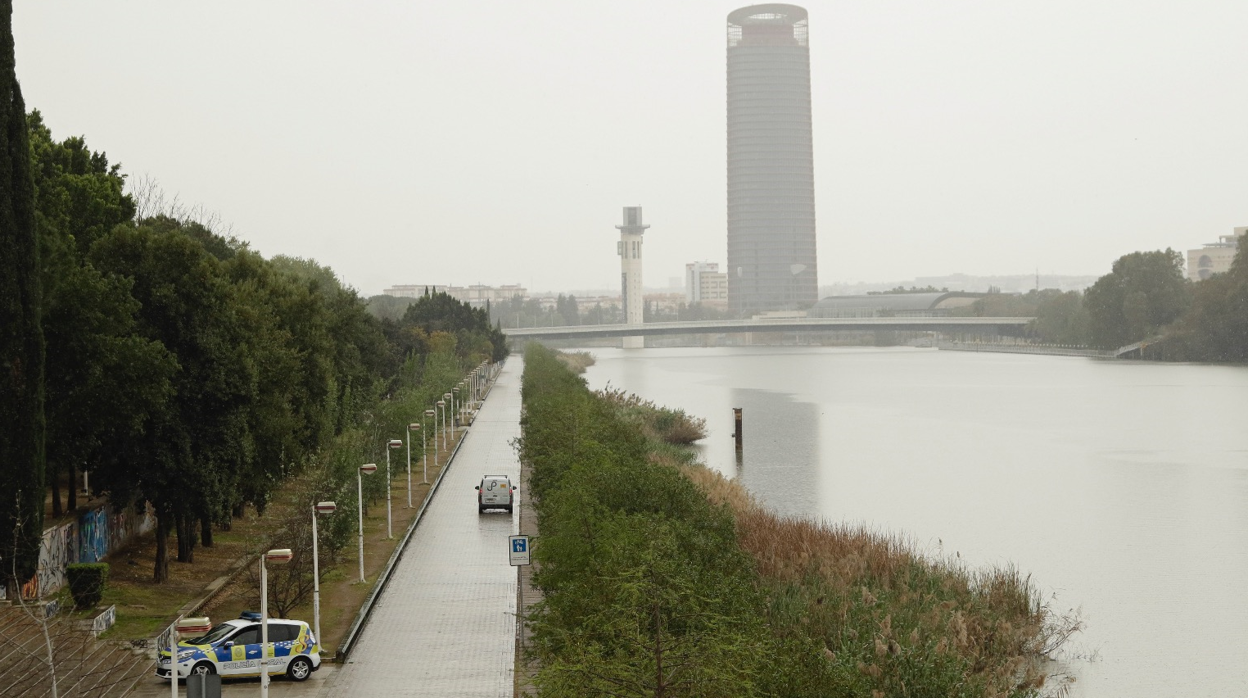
(1121, 487)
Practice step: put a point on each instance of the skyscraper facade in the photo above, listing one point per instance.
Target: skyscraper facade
(771, 179)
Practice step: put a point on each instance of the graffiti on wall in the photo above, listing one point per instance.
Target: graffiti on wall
(58, 549)
(89, 539)
(93, 536)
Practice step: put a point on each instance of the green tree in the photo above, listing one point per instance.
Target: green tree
(1145, 292)
(21, 336)
(96, 364)
(1061, 318)
(190, 454)
(1216, 326)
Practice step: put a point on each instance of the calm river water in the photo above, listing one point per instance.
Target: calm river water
(1121, 487)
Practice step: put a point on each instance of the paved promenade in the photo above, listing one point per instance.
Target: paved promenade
(445, 626)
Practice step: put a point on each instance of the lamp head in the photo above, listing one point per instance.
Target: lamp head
(325, 507)
(187, 626)
(279, 555)
(368, 468)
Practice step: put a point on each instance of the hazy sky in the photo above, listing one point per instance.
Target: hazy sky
(496, 142)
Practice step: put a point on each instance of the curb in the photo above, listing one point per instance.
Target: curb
(343, 652)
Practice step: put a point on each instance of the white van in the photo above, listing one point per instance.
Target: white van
(495, 492)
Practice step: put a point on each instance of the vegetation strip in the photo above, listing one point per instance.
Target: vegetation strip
(662, 578)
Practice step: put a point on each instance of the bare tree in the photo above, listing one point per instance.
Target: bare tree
(46, 652)
(151, 201)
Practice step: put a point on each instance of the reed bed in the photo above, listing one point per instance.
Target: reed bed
(892, 614)
(657, 423)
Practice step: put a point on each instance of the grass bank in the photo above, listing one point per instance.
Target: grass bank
(661, 578)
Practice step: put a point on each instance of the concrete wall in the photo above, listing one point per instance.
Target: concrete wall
(90, 538)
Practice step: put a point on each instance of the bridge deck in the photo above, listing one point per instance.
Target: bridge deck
(908, 324)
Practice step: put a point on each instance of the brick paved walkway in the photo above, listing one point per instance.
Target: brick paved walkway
(445, 627)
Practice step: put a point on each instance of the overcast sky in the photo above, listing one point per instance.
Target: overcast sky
(496, 142)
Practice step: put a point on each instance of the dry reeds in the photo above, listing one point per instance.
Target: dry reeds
(876, 602)
(659, 423)
(575, 361)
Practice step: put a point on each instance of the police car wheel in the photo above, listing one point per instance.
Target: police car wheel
(300, 669)
(203, 668)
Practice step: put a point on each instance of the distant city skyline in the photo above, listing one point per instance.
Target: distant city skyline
(491, 143)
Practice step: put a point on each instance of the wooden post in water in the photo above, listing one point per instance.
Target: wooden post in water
(736, 434)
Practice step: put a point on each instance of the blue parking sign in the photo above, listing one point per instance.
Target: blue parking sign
(519, 552)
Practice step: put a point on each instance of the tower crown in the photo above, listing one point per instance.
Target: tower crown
(632, 221)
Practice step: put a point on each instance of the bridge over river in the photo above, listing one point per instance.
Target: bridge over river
(978, 325)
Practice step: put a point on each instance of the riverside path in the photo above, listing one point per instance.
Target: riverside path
(445, 625)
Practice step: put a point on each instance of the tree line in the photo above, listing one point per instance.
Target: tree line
(1145, 297)
(181, 368)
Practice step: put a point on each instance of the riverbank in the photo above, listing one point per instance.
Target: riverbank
(1040, 349)
(643, 571)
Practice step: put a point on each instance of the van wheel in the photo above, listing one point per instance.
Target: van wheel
(480, 510)
(508, 508)
(300, 669)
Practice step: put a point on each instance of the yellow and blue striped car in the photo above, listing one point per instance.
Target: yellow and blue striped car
(233, 649)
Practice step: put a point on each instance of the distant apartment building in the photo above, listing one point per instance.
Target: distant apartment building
(705, 284)
(1214, 257)
(476, 295)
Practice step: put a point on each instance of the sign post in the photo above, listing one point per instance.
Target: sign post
(518, 554)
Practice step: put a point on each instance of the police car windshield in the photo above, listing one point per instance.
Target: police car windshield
(213, 635)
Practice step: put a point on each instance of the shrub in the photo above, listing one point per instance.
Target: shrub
(86, 583)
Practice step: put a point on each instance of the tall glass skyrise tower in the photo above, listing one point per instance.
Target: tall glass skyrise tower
(771, 177)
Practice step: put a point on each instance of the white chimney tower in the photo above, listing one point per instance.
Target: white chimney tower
(629, 249)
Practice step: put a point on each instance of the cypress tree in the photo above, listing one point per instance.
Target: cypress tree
(22, 423)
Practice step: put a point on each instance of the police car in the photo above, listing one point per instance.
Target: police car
(233, 649)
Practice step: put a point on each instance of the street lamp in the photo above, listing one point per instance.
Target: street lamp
(366, 469)
(411, 428)
(430, 413)
(318, 508)
(184, 626)
(447, 399)
(456, 398)
(392, 444)
(441, 430)
(278, 555)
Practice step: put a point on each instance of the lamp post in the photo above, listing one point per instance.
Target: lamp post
(430, 413)
(449, 401)
(441, 430)
(391, 445)
(457, 399)
(318, 508)
(184, 626)
(366, 469)
(278, 555)
(411, 428)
